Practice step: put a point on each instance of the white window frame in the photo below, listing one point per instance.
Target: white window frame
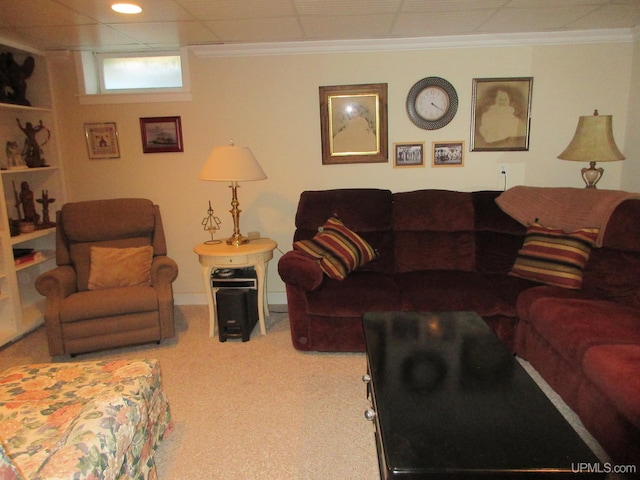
(92, 91)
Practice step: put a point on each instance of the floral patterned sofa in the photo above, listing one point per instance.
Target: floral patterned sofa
(83, 420)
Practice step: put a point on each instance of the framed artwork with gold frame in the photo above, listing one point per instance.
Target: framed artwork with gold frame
(353, 123)
(448, 154)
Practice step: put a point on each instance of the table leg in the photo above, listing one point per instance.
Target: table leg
(211, 300)
(260, 274)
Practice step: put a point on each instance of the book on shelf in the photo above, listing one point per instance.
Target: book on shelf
(26, 255)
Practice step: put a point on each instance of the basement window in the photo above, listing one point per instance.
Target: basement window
(133, 77)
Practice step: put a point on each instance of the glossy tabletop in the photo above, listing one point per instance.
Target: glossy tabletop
(452, 402)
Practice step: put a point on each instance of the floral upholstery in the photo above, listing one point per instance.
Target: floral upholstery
(84, 420)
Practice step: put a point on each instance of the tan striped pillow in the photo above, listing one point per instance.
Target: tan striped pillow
(337, 249)
(554, 257)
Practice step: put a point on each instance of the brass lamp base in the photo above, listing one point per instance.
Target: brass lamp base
(236, 240)
(592, 175)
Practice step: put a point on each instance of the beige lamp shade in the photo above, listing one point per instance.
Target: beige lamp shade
(593, 141)
(231, 164)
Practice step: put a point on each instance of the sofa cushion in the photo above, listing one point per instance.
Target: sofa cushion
(554, 257)
(120, 267)
(359, 292)
(615, 370)
(108, 303)
(337, 249)
(572, 326)
(433, 290)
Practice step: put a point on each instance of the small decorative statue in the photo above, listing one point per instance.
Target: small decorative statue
(211, 223)
(14, 159)
(32, 151)
(45, 201)
(28, 207)
(13, 79)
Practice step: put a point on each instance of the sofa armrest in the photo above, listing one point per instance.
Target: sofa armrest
(301, 271)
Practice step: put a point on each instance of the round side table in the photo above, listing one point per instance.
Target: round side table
(254, 254)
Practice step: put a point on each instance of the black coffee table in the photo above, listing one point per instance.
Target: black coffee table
(450, 401)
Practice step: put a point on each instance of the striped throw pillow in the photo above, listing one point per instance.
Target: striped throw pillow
(337, 249)
(554, 257)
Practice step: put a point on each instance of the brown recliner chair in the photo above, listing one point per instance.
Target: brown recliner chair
(113, 296)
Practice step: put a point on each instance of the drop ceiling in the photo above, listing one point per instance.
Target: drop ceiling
(92, 25)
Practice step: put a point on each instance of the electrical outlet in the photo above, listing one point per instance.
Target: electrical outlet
(502, 169)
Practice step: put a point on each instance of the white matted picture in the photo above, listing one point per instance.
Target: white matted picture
(448, 154)
(102, 140)
(408, 154)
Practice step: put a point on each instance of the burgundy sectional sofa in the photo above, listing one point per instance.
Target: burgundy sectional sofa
(444, 250)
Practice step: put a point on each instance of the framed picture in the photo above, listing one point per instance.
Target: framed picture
(408, 154)
(448, 154)
(161, 134)
(102, 140)
(353, 122)
(501, 114)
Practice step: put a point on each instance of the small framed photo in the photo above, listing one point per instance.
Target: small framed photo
(353, 123)
(102, 140)
(161, 134)
(501, 114)
(408, 154)
(448, 154)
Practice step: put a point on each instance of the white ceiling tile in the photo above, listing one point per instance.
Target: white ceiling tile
(611, 16)
(172, 33)
(433, 6)
(347, 27)
(20, 13)
(342, 7)
(533, 19)
(436, 24)
(263, 30)
(225, 9)
(152, 11)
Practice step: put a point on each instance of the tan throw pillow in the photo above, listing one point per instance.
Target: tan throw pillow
(120, 267)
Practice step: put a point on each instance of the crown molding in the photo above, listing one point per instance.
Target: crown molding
(420, 43)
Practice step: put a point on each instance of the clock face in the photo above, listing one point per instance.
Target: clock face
(432, 103)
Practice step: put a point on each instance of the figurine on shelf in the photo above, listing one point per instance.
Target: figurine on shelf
(14, 159)
(211, 223)
(32, 150)
(13, 79)
(45, 201)
(28, 206)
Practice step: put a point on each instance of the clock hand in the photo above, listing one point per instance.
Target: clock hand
(439, 108)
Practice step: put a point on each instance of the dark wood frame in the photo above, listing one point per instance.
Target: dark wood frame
(153, 142)
(369, 103)
(484, 98)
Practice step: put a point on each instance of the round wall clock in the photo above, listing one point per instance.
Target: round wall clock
(432, 103)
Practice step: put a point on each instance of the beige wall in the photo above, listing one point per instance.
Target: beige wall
(270, 103)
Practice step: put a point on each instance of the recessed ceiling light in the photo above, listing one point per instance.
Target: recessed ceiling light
(129, 8)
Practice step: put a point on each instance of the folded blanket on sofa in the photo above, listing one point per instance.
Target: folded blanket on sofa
(566, 208)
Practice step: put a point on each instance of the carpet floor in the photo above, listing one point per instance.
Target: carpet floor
(255, 410)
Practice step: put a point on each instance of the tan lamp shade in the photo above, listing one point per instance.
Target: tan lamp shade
(593, 141)
(231, 164)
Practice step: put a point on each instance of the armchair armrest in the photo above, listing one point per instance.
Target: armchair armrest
(301, 271)
(58, 283)
(164, 270)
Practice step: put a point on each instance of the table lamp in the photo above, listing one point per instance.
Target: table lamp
(232, 164)
(593, 142)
